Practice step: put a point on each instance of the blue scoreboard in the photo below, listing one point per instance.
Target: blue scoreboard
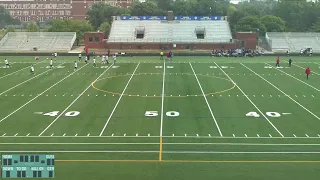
(27, 166)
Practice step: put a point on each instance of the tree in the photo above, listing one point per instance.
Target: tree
(11, 29)
(316, 26)
(32, 27)
(144, 9)
(250, 23)
(6, 19)
(105, 27)
(100, 13)
(78, 26)
(273, 23)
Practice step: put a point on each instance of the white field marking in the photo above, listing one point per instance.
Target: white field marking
(185, 135)
(173, 135)
(137, 135)
(270, 135)
(64, 134)
(245, 135)
(162, 97)
(197, 135)
(189, 137)
(148, 135)
(16, 134)
(133, 143)
(114, 109)
(124, 134)
(209, 135)
(304, 68)
(76, 135)
(258, 135)
(304, 96)
(4, 134)
(52, 134)
(38, 95)
(312, 95)
(233, 135)
(63, 112)
(252, 102)
(14, 72)
(23, 82)
(205, 98)
(28, 134)
(298, 79)
(307, 135)
(294, 135)
(286, 113)
(283, 92)
(112, 134)
(88, 134)
(319, 135)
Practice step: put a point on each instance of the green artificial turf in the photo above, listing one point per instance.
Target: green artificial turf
(145, 118)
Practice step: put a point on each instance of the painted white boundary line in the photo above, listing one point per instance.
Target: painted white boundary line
(26, 81)
(250, 101)
(182, 137)
(162, 97)
(73, 102)
(39, 95)
(282, 92)
(105, 126)
(205, 98)
(14, 72)
(227, 144)
(293, 77)
(305, 68)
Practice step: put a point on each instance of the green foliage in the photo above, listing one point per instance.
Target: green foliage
(144, 9)
(273, 23)
(101, 12)
(6, 19)
(32, 27)
(105, 27)
(250, 23)
(316, 26)
(11, 29)
(78, 26)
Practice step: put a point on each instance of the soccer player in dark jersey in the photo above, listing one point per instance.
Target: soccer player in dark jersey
(290, 62)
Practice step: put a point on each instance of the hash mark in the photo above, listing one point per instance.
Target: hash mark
(270, 135)
(52, 134)
(4, 134)
(16, 134)
(294, 135)
(307, 135)
(28, 134)
(88, 134)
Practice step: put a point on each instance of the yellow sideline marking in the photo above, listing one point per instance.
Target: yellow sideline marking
(160, 151)
(186, 161)
(145, 96)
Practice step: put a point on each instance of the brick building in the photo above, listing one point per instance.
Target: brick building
(41, 10)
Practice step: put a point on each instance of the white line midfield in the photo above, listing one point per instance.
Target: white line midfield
(205, 98)
(251, 101)
(25, 81)
(162, 97)
(282, 92)
(73, 102)
(39, 95)
(104, 127)
(14, 72)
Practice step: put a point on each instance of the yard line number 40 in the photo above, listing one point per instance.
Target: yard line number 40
(270, 114)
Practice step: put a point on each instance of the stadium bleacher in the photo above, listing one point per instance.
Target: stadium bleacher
(39, 41)
(177, 31)
(293, 41)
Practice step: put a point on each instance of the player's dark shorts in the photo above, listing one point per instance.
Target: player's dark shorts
(7, 65)
(75, 67)
(79, 58)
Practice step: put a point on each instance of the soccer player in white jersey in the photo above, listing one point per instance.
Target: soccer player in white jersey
(55, 56)
(103, 59)
(80, 57)
(7, 63)
(114, 58)
(51, 63)
(75, 65)
(32, 69)
(94, 62)
(86, 60)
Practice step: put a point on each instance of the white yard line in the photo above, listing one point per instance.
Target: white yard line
(305, 68)
(294, 77)
(24, 82)
(73, 102)
(39, 95)
(250, 100)
(106, 124)
(162, 97)
(14, 72)
(282, 92)
(205, 98)
(227, 144)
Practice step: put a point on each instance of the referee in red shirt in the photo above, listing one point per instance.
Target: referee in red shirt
(308, 72)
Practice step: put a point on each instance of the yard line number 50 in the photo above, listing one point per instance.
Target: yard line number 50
(155, 113)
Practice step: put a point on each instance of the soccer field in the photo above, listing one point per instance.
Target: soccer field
(145, 118)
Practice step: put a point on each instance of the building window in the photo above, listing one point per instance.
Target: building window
(96, 39)
(68, 13)
(90, 39)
